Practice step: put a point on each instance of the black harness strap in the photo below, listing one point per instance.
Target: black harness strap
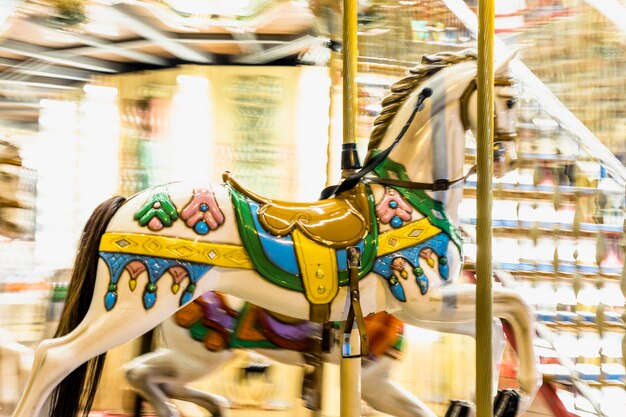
(438, 185)
(354, 179)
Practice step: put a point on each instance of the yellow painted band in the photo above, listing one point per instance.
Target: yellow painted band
(234, 256)
(406, 236)
(218, 254)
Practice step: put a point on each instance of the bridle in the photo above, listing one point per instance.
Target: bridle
(498, 138)
(440, 184)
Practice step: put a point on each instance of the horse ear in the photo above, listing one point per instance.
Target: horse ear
(502, 64)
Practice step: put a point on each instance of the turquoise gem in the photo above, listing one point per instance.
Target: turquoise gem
(444, 271)
(109, 300)
(422, 282)
(393, 204)
(201, 228)
(149, 298)
(397, 290)
(187, 297)
(204, 207)
(396, 222)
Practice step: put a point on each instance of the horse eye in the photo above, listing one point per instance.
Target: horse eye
(498, 151)
(510, 103)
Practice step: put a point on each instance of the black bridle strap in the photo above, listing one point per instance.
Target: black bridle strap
(372, 163)
(437, 185)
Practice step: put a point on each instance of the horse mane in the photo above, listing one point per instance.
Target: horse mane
(429, 65)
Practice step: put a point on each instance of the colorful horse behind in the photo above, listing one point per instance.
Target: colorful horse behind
(142, 259)
(205, 334)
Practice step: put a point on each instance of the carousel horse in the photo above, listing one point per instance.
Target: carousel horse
(203, 336)
(142, 259)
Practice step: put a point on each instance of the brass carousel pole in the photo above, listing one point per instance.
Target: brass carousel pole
(350, 368)
(484, 165)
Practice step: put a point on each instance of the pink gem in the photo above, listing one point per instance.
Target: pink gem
(156, 205)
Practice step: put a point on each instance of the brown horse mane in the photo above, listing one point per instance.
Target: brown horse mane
(400, 90)
(79, 388)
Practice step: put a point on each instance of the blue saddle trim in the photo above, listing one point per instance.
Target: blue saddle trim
(279, 250)
(438, 244)
(156, 267)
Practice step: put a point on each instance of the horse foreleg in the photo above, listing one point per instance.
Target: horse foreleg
(57, 358)
(457, 304)
(386, 396)
(214, 404)
(145, 373)
(161, 375)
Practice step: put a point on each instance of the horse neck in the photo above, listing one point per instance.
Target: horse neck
(432, 148)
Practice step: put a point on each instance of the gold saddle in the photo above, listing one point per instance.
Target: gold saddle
(336, 222)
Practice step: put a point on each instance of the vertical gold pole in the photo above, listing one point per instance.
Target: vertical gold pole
(350, 51)
(350, 372)
(484, 164)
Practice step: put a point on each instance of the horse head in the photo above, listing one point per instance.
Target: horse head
(431, 153)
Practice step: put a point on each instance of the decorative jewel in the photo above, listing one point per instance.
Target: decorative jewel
(398, 265)
(421, 280)
(149, 298)
(396, 222)
(155, 267)
(444, 269)
(158, 211)
(388, 266)
(396, 288)
(392, 208)
(132, 284)
(109, 300)
(427, 254)
(202, 213)
(422, 283)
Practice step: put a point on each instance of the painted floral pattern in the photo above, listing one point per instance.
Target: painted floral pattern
(392, 209)
(202, 213)
(158, 211)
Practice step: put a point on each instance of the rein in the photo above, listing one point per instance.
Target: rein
(372, 163)
(440, 184)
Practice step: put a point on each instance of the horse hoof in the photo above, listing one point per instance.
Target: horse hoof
(459, 408)
(506, 403)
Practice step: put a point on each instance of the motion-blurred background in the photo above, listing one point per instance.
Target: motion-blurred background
(99, 97)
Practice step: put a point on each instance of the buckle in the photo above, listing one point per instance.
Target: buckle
(441, 184)
(353, 256)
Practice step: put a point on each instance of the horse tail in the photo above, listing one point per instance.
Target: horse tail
(79, 387)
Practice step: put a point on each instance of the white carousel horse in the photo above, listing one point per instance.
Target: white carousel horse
(290, 258)
(205, 335)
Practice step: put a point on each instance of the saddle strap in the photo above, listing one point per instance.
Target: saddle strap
(355, 313)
